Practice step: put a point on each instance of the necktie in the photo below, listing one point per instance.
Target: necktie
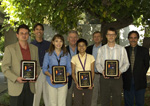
(132, 58)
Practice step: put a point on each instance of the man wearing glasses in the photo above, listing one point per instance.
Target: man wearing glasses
(111, 86)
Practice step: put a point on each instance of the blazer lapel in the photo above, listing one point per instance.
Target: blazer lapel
(18, 52)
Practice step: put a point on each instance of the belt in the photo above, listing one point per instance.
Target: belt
(97, 73)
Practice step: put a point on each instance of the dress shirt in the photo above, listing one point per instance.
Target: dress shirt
(51, 60)
(42, 48)
(71, 52)
(116, 53)
(78, 67)
(94, 53)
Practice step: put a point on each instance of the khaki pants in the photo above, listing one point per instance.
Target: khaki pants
(41, 88)
(57, 96)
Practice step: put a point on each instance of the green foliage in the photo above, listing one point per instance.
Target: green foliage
(4, 99)
(64, 15)
(2, 44)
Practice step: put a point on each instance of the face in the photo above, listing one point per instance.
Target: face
(81, 47)
(97, 38)
(72, 38)
(23, 34)
(133, 39)
(38, 32)
(57, 43)
(111, 36)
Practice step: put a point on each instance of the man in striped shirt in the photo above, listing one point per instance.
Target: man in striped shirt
(111, 86)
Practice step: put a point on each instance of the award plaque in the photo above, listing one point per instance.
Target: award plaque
(111, 68)
(28, 70)
(84, 79)
(59, 74)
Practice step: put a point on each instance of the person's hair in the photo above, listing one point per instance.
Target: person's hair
(131, 32)
(73, 31)
(82, 40)
(97, 32)
(52, 47)
(38, 24)
(22, 26)
(112, 29)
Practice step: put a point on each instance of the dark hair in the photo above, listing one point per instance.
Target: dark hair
(52, 47)
(112, 29)
(73, 31)
(82, 40)
(97, 32)
(131, 32)
(38, 24)
(22, 26)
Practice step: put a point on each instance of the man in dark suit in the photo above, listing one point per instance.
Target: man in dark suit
(72, 49)
(134, 79)
(92, 49)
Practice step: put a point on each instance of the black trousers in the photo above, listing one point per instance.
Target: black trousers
(24, 99)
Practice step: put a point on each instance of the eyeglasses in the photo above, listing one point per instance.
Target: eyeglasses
(111, 34)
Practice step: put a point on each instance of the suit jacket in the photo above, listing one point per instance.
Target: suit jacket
(11, 67)
(141, 65)
(70, 77)
(90, 49)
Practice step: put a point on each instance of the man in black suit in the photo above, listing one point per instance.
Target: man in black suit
(72, 49)
(92, 49)
(134, 79)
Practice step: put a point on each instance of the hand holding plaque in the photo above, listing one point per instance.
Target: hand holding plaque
(28, 70)
(59, 74)
(84, 79)
(111, 68)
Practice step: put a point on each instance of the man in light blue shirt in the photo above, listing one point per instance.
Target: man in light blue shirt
(72, 49)
(93, 49)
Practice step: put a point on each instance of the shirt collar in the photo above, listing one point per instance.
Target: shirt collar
(23, 48)
(115, 47)
(38, 42)
(98, 45)
(83, 55)
(59, 54)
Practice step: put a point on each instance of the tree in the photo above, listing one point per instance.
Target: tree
(63, 15)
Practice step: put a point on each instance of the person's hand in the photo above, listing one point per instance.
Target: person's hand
(51, 80)
(35, 80)
(91, 87)
(104, 75)
(21, 80)
(79, 88)
(118, 76)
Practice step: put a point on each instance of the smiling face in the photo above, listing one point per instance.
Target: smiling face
(97, 38)
(58, 43)
(82, 47)
(38, 32)
(23, 35)
(133, 39)
(72, 38)
(111, 36)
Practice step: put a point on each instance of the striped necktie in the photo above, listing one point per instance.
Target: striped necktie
(132, 58)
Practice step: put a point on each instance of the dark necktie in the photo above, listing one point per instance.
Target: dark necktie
(132, 58)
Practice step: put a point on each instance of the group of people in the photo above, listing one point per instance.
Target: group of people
(77, 56)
